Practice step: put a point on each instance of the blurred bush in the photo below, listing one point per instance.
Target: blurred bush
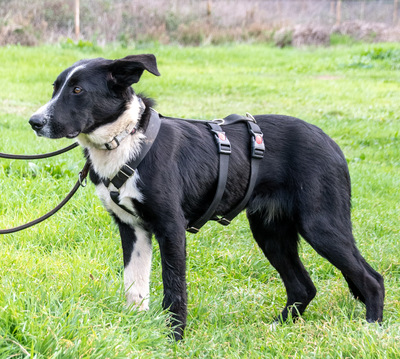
(196, 22)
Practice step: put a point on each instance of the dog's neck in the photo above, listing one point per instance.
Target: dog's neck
(107, 162)
(110, 136)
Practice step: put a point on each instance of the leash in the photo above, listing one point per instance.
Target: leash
(37, 157)
(80, 182)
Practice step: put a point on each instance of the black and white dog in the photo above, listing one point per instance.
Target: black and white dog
(302, 188)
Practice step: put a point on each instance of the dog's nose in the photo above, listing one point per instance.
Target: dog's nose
(37, 122)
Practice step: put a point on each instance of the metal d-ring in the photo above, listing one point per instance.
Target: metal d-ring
(250, 117)
(218, 121)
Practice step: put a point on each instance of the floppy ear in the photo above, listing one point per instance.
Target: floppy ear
(128, 70)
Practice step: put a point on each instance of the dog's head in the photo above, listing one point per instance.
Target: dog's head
(89, 94)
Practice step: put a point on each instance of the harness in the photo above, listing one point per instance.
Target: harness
(257, 149)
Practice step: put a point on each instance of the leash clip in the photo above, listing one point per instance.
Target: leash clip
(82, 182)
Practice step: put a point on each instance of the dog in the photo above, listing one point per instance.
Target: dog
(302, 187)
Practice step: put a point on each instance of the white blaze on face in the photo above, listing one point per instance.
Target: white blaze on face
(47, 110)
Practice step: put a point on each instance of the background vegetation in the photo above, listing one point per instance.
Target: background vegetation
(195, 22)
(61, 287)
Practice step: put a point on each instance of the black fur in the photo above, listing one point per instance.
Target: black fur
(303, 188)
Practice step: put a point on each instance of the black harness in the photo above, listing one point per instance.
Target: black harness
(257, 148)
(128, 169)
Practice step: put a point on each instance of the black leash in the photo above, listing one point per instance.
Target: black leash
(80, 182)
(82, 176)
(37, 157)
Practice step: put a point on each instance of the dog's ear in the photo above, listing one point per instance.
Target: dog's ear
(128, 70)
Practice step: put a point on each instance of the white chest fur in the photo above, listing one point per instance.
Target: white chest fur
(127, 192)
(107, 163)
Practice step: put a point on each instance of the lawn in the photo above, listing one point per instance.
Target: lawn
(61, 286)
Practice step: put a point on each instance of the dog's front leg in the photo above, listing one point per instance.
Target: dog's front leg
(173, 260)
(137, 252)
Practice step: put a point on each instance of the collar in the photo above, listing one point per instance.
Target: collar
(130, 130)
(129, 168)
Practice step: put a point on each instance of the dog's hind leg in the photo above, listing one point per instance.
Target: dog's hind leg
(278, 239)
(332, 238)
(137, 252)
(353, 288)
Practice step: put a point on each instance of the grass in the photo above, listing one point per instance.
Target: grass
(61, 290)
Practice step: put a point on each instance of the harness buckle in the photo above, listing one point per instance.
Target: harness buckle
(122, 176)
(224, 148)
(257, 146)
(257, 141)
(223, 144)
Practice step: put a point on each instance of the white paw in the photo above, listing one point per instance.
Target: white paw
(273, 327)
(137, 301)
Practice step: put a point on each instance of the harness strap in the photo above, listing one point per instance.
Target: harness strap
(128, 169)
(257, 153)
(224, 150)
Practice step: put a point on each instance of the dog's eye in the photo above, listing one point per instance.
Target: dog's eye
(77, 89)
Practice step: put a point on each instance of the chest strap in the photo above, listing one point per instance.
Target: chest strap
(128, 169)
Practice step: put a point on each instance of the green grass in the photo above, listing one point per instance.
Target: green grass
(61, 290)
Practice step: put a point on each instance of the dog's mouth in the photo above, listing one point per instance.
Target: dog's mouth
(73, 134)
